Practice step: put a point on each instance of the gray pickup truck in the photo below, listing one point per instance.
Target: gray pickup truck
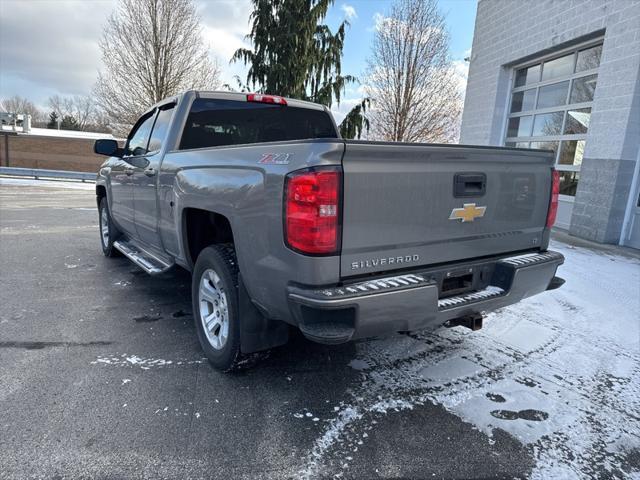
(283, 223)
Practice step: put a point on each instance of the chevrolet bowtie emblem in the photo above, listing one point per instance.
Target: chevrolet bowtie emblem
(468, 213)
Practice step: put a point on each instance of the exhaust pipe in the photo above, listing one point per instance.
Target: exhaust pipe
(472, 322)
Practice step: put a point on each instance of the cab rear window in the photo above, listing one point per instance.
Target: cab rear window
(215, 123)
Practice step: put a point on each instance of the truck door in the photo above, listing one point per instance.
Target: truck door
(145, 180)
(122, 175)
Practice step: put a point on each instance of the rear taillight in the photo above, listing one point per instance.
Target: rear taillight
(553, 203)
(259, 98)
(312, 210)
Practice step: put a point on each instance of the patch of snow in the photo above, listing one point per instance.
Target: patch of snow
(327, 441)
(32, 182)
(559, 371)
(52, 132)
(125, 360)
(395, 404)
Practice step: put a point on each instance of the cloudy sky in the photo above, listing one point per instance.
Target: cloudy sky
(50, 47)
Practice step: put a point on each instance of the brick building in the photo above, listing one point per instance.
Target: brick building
(565, 75)
(50, 149)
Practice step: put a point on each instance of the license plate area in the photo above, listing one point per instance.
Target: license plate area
(457, 282)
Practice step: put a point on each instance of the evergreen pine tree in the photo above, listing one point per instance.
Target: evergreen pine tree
(53, 120)
(295, 55)
(68, 123)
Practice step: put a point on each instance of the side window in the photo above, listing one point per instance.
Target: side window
(139, 137)
(161, 127)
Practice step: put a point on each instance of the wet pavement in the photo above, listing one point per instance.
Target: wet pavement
(101, 375)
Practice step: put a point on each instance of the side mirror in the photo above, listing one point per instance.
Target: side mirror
(107, 147)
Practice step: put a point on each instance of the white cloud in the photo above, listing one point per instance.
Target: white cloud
(461, 74)
(52, 47)
(225, 25)
(378, 20)
(349, 11)
(223, 44)
(346, 104)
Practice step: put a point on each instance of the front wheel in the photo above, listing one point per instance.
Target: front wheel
(214, 293)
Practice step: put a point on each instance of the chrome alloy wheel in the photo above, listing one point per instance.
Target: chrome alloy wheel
(214, 309)
(104, 227)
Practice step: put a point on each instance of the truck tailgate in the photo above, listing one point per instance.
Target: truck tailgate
(407, 205)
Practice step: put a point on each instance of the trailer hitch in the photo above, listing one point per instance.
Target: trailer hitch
(472, 322)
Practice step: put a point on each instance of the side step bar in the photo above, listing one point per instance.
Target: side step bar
(146, 261)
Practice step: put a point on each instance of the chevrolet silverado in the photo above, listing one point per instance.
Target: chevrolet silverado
(283, 223)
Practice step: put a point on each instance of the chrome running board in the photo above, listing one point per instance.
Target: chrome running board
(145, 260)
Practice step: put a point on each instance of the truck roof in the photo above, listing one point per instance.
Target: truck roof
(238, 96)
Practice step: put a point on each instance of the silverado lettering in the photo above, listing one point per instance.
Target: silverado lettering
(384, 261)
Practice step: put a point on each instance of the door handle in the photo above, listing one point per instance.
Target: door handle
(128, 171)
(150, 172)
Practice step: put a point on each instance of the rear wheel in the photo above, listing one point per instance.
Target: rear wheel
(214, 294)
(108, 231)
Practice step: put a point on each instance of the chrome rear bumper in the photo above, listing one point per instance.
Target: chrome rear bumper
(412, 301)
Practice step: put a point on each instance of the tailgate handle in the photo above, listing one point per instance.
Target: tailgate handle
(469, 184)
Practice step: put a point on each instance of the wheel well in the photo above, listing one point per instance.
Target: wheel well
(100, 193)
(203, 228)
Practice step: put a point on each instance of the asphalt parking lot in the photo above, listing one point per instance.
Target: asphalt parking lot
(101, 375)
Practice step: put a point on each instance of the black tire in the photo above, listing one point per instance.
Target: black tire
(220, 259)
(106, 241)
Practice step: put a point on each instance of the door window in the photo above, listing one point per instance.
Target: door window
(139, 136)
(161, 127)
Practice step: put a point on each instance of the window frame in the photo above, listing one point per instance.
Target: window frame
(564, 108)
(143, 118)
(156, 112)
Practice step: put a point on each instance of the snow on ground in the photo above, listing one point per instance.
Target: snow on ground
(128, 360)
(32, 182)
(559, 371)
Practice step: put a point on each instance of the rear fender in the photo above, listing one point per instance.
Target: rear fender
(238, 195)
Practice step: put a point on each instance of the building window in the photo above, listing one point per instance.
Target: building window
(550, 108)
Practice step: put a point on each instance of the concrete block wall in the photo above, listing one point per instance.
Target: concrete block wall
(509, 32)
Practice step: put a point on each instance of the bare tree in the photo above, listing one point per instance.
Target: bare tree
(18, 104)
(411, 78)
(82, 108)
(151, 49)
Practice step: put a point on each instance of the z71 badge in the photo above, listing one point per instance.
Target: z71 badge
(275, 159)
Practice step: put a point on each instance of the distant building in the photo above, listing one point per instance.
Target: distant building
(50, 149)
(565, 75)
